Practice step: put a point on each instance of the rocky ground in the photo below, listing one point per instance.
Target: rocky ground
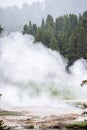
(23, 118)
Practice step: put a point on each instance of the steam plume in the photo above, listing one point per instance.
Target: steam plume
(31, 74)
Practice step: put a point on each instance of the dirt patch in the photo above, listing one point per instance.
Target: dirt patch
(42, 117)
(38, 118)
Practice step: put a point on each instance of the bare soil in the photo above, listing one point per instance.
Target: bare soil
(21, 118)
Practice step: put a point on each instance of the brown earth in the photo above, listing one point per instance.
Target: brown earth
(37, 117)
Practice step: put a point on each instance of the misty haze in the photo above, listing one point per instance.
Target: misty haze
(43, 64)
(12, 18)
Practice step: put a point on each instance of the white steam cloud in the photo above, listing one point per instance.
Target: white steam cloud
(31, 74)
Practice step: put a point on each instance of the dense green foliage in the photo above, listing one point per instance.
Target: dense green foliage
(67, 34)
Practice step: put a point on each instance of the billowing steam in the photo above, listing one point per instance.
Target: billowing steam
(31, 74)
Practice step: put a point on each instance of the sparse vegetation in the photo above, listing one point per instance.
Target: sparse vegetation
(78, 125)
(7, 113)
(2, 126)
(84, 82)
(30, 127)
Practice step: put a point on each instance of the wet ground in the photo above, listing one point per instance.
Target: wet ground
(22, 118)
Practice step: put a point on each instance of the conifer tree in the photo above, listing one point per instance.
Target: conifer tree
(39, 35)
(43, 26)
(53, 43)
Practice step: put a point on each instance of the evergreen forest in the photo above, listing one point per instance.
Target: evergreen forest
(66, 34)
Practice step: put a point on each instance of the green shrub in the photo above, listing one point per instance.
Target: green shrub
(30, 127)
(78, 125)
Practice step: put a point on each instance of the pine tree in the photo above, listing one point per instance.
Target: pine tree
(48, 35)
(30, 27)
(43, 26)
(53, 43)
(73, 21)
(73, 53)
(49, 21)
(25, 29)
(34, 30)
(39, 35)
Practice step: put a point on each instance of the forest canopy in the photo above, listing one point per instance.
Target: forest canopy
(67, 34)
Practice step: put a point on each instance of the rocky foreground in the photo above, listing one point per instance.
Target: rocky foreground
(42, 117)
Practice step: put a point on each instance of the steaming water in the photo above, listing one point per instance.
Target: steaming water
(33, 75)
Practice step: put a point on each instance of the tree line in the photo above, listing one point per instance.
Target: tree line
(67, 34)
